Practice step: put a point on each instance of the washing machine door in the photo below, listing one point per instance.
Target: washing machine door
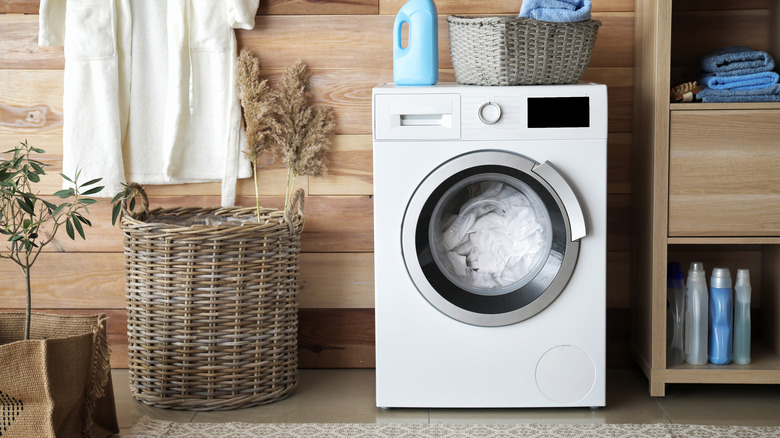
(491, 238)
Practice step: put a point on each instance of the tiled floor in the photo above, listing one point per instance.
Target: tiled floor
(348, 396)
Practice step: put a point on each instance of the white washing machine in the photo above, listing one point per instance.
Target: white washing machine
(490, 245)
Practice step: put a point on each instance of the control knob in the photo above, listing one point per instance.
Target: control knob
(489, 113)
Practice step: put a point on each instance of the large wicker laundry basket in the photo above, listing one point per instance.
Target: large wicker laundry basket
(212, 310)
(504, 50)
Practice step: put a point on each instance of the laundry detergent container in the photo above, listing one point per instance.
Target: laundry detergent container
(504, 50)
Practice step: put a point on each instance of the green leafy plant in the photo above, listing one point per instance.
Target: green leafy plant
(29, 221)
(126, 195)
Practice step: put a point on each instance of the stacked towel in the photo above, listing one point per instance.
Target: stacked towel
(750, 81)
(556, 10)
(738, 74)
(736, 60)
(767, 94)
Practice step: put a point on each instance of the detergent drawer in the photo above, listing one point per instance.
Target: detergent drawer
(417, 116)
(723, 178)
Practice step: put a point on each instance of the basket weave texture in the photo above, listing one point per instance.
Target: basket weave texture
(519, 51)
(213, 310)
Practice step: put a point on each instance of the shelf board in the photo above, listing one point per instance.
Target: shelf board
(764, 368)
(724, 106)
(768, 240)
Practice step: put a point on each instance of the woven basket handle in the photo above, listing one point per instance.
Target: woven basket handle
(297, 200)
(142, 215)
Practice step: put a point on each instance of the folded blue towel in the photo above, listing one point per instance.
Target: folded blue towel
(767, 94)
(736, 60)
(741, 82)
(556, 10)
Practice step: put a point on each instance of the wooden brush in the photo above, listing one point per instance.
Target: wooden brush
(685, 92)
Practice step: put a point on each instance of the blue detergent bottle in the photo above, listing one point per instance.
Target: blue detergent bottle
(418, 62)
(721, 317)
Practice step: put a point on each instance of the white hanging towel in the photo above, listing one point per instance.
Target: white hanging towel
(150, 89)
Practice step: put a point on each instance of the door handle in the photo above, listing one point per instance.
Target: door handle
(550, 174)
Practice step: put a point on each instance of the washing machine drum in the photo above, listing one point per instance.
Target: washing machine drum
(491, 238)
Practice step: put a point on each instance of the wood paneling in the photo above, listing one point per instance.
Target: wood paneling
(96, 281)
(311, 7)
(336, 338)
(267, 7)
(359, 43)
(347, 45)
(350, 168)
(19, 6)
(498, 6)
(19, 48)
(370, 46)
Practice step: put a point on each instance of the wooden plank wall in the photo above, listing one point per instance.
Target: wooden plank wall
(347, 45)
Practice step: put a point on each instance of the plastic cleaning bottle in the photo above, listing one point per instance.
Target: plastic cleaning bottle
(721, 317)
(675, 299)
(418, 62)
(696, 315)
(742, 317)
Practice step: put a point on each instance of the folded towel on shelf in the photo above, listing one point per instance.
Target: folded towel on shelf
(741, 82)
(556, 10)
(736, 60)
(766, 94)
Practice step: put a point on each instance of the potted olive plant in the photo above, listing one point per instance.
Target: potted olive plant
(54, 371)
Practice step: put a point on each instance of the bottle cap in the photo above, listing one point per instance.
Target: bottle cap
(743, 276)
(697, 269)
(721, 278)
(674, 271)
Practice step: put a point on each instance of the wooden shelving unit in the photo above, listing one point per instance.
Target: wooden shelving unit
(706, 185)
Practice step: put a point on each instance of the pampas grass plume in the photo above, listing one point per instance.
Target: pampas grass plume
(284, 121)
(257, 101)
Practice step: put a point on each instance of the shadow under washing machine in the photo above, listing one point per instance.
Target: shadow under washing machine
(490, 245)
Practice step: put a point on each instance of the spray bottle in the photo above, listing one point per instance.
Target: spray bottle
(742, 317)
(418, 62)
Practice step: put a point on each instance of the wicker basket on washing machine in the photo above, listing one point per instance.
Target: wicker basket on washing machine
(503, 50)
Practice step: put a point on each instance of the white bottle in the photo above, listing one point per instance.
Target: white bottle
(696, 315)
(742, 317)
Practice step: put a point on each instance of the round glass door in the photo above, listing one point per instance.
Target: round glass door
(487, 240)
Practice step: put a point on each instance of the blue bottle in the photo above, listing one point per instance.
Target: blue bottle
(721, 317)
(418, 62)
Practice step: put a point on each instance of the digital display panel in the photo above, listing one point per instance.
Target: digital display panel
(558, 112)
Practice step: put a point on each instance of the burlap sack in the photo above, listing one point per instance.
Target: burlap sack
(58, 383)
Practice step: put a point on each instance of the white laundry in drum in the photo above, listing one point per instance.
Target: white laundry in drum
(497, 238)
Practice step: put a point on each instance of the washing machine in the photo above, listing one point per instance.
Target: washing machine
(490, 245)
